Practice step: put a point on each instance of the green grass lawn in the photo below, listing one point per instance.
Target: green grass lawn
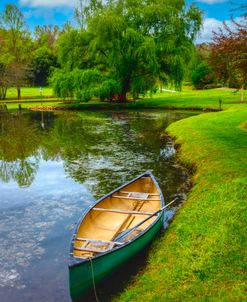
(198, 98)
(29, 92)
(201, 256)
(30, 97)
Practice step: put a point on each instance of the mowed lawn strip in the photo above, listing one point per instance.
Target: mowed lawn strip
(187, 99)
(201, 256)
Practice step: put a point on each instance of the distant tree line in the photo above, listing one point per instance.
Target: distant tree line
(117, 47)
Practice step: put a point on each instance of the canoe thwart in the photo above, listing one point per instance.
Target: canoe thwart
(135, 198)
(122, 211)
(150, 194)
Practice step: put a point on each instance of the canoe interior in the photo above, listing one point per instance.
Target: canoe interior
(102, 227)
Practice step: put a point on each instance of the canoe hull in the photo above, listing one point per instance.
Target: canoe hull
(80, 275)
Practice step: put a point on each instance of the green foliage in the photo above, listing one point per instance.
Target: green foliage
(12, 19)
(108, 89)
(17, 44)
(62, 84)
(202, 75)
(73, 51)
(46, 36)
(83, 84)
(139, 40)
(43, 62)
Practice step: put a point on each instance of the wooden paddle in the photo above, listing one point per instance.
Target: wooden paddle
(127, 232)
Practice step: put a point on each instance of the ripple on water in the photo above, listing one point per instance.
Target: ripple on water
(28, 229)
(10, 278)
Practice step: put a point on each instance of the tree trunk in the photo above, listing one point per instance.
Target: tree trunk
(125, 89)
(242, 94)
(136, 95)
(18, 92)
(122, 98)
(3, 92)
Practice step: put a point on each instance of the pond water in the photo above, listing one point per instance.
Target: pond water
(52, 167)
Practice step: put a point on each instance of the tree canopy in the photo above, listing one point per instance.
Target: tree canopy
(132, 42)
(17, 44)
(229, 51)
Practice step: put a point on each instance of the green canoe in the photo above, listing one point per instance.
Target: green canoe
(114, 229)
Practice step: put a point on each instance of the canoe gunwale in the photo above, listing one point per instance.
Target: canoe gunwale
(76, 261)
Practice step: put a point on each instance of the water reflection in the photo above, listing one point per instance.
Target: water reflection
(52, 166)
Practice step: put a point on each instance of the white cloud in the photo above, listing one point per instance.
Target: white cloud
(210, 25)
(212, 1)
(49, 3)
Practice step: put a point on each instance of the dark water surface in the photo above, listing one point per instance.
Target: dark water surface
(52, 167)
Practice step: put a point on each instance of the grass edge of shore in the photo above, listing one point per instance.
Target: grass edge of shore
(201, 255)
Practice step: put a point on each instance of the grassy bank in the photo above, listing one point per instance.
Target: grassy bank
(201, 255)
(33, 103)
(187, 99)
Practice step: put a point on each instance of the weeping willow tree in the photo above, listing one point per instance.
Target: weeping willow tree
(83, 84)
(134, 43)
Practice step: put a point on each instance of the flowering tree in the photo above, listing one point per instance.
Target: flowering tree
(229, 51)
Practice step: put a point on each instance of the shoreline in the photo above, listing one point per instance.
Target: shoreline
(203, 248)
(119, 107)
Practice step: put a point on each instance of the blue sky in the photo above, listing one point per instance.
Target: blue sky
(59, 11)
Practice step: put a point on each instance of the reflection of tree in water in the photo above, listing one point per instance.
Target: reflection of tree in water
(108, 151)
(21, 171)
(102, 149)
(18, 149)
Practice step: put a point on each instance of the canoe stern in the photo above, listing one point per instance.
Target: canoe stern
(81, 273)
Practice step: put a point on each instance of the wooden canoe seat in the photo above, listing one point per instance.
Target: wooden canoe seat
(84, 249)
(96, 246)
(123, 211)
(96, 240)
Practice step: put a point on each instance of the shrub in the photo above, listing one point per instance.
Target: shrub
(202, 75)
